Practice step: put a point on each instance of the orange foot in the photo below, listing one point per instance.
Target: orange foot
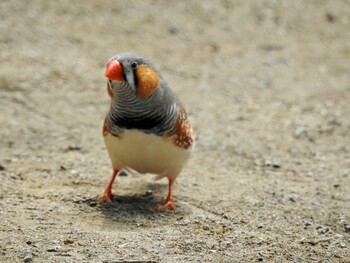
(107, 194)
(169, 201)
(168, 204)
(105, 197)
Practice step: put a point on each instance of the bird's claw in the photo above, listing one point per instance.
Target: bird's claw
(168, 204)
(105, 197)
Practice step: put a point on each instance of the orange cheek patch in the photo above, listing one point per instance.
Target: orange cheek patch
(148, 81)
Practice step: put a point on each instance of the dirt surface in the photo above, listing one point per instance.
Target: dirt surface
(267, 87)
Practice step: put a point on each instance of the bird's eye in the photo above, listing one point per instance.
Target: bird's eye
(134, 65)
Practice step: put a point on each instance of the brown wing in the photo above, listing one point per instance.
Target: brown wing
(183, 134)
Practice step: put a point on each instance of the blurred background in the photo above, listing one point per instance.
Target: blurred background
(267, 88)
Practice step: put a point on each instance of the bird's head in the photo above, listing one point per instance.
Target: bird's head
(132, 72)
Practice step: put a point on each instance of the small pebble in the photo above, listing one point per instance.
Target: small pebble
(54, 249)
(322, 230)
(308, 223)
(28, 258)
(347, 228)
(272, 163)
(316, 203)
(73, 172)
(292, 199)
(93, 203)
(173, 30)
(122, 173)
(28, 255)
(68, 242)
(123, 245)
(76, 147)
(303, 132)
(148, 193)
(330, 17)
(342, 245)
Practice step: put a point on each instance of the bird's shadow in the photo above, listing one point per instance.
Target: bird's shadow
(135, 204)
(138, 209)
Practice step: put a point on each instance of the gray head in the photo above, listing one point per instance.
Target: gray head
(131, 68)
(141, 98)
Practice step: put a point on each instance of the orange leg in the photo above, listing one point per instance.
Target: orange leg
(169, 201)
(107, 194)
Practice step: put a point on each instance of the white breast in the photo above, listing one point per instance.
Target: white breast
(146, 153)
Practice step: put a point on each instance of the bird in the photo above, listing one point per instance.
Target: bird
(147, 128)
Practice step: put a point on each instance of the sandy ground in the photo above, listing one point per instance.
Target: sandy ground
(267, 86)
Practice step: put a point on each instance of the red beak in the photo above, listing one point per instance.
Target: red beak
(114, 70)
